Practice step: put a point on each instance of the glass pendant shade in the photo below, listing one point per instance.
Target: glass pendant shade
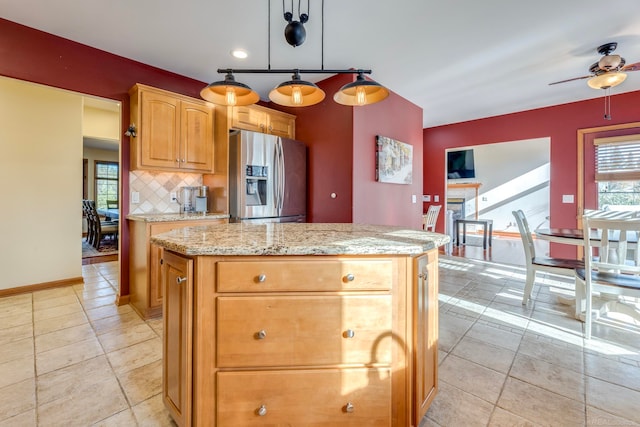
(296, 93)
(229, 92)
(361, 92)
(606, 80)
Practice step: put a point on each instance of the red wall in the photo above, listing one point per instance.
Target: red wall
(39, 57)
(560, 123)
(342, 152)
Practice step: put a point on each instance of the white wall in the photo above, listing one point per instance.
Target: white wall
(514, 175)
(41, 173)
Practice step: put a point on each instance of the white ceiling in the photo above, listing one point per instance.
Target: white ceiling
(458, 60)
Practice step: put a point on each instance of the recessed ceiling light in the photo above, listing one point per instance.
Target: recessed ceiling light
(239, 53)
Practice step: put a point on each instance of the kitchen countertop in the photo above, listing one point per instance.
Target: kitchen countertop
(176, 216)
(298, 239)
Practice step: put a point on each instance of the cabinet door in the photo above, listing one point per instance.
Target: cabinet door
(249, 118)
(196, 137)
(177, 276)
(281, 125)
(425, 333)
(159, 131)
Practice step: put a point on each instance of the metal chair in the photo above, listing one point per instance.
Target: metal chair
(612, 270)
(431, 217)
(535, 264)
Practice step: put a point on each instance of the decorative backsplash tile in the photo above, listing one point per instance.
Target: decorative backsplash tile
(155, 189)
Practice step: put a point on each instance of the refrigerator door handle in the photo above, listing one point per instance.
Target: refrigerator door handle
(281, 176)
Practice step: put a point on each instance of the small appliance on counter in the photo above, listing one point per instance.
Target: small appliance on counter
(201, 198)
(193, 199)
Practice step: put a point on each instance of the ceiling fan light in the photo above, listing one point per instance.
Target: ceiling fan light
(361, 92)
(609, 62)
(229, 92)
(296, 93)
(606, 80)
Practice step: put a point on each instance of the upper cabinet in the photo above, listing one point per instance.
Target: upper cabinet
(264, 120)
(173, 132)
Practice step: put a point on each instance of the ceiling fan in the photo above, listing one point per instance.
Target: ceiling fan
(609, 71)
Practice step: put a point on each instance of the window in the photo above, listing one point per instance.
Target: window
(106, 182)
(618, 172)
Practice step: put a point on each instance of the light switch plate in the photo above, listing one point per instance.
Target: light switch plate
(135, 197)
(426, 197)
(436, 198)
(414, 199)
(567, 198)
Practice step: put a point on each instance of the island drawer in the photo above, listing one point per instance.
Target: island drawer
(303, 330)
(305, 275)
(327, 397)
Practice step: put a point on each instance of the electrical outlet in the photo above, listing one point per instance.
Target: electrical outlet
(174, 197)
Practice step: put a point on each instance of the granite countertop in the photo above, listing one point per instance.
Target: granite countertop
(298, 239)
(176, 216)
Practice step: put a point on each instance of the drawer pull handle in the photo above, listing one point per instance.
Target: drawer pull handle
(260, 335)
(180, 280)
(262, 410)
(262, 278)
(349, 407)
(350, 277)
(349, 333)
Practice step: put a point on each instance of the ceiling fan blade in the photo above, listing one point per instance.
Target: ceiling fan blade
(631, 67)
(570, 80)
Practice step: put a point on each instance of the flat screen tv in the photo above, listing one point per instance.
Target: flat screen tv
(460, 164)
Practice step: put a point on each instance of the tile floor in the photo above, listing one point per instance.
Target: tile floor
(70, 357)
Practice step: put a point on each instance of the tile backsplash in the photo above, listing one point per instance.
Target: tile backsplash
(155, 189)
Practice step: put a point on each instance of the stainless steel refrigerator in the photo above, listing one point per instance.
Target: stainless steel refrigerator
(267, 178)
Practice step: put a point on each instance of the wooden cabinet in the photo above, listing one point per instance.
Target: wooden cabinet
(145, 286)
(173, 132)
(308, 340)
(264, 120)
(176, 342)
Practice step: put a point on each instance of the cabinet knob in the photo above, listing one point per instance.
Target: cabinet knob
(270, 128)
(349, 333)
(180, 280)
(261, 334)
(350, 277)
(349, 408)
(262, 278)
(262, 410)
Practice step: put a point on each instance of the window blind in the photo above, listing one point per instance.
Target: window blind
(617, 161)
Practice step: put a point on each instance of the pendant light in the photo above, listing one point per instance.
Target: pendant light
(361, 92)
(296, 93)
(229, 92)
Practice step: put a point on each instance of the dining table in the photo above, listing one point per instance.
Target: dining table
(109, 214)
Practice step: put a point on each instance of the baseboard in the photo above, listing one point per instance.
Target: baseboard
(123, 300)
(41, 286)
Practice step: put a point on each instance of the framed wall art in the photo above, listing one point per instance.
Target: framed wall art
(394, 161)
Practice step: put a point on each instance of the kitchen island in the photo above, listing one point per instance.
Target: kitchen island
(299, 324)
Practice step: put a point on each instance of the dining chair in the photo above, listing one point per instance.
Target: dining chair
(535, 264)
(613, 261)
(431, 217)
(97, 229)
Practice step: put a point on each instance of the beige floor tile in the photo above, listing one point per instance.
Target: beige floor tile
(16, 320)
(46, 326)
(42, 304)
(97, 402)
(62, 310)
(12, 300)
(16, 399)
(52, 293)
(488, 355)
(122, 338)
(136, 355)
(142, 383)
(26, 419)
(454, 407)
(152, 413)
(614, 399)
(502, 418)
(541, 406)
(495, 336)
(108, 311)
(472, 378)
(95, 293)
(101, 301)
(554, 378)
(9, 311)
(67, 355)
(73, 380)
(156, 325)
(63, 337)
(613, 371)
(596, 417)
(124, 418)
(15, 333)
(16, 370)
(17, 350)
(562, 354)
(118, 322)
